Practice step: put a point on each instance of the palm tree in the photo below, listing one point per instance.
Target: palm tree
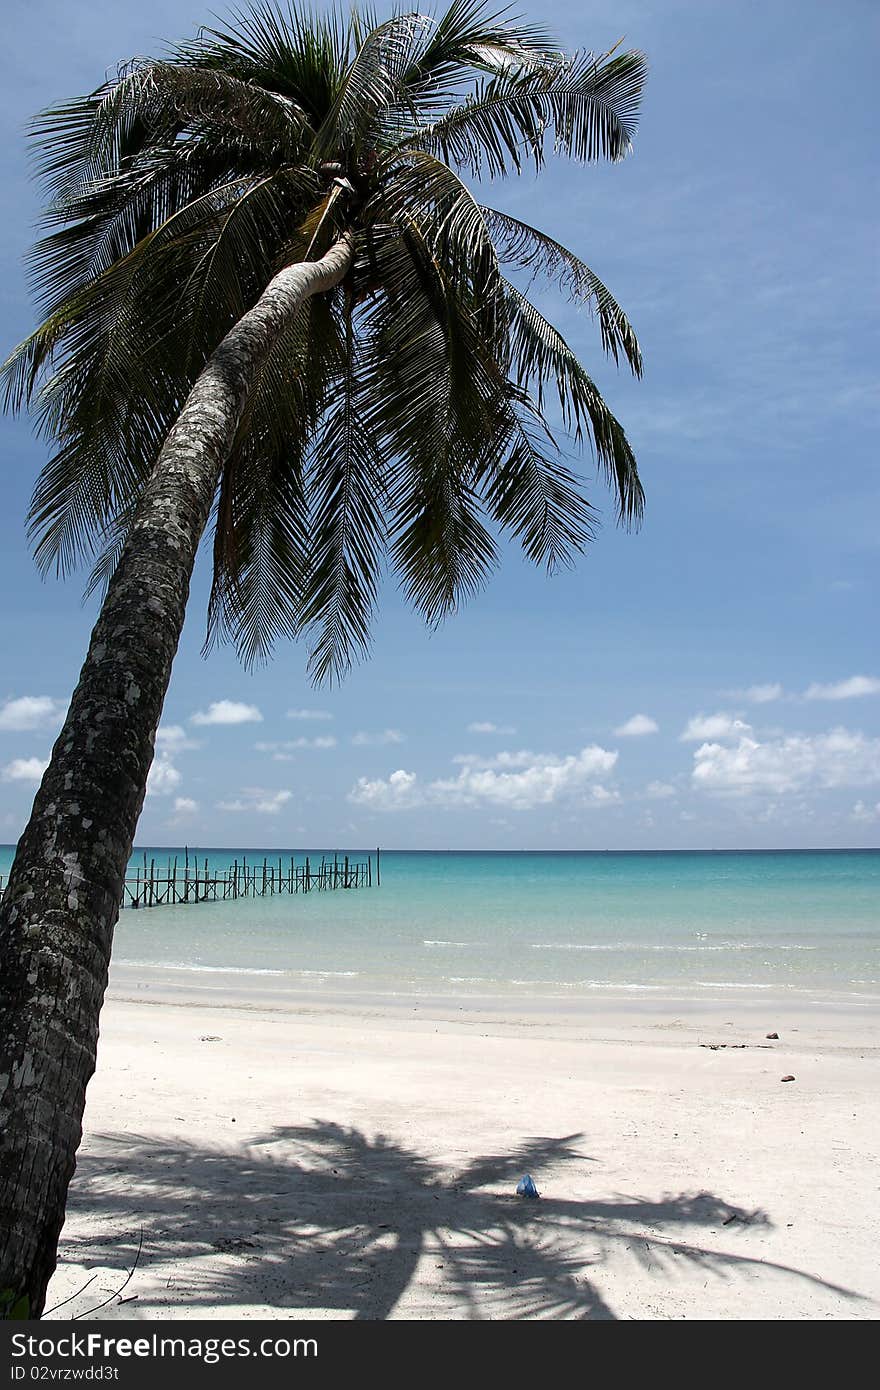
(270, 300)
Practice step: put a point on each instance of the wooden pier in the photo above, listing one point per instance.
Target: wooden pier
(180, 881)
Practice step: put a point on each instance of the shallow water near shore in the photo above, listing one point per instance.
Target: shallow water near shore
(540, 924)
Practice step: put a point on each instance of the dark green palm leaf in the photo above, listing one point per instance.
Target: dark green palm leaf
(373, 84)
(346, 526)
(159, 102)
(540, 353)
(262, 542)
(534, 495)
(589, 104)
(532, 250)
(432, 406)
(423, 193)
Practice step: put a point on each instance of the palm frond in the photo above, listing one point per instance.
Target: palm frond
(106, 221)
(109, 403)
(533, 494)
(346, 526)
(469, 36)
(134, 338)
(83, 141)
(442, 551)
(301, 54)
(431, 407)
(109, 551)
(422, 192)
(21, 370)
(261, 526)
(589, 104)
(373, 83)
(533, 250)
(540, 353)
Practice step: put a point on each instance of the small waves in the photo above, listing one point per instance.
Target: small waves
(197, 969)
(663, 947)
(454, 944)
(324, 974)
(201, 969)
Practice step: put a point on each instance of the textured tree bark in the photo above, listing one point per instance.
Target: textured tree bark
(61, 904)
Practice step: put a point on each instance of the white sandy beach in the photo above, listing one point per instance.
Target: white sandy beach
(303, 1155)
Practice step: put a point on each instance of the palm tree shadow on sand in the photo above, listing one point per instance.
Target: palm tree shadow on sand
(319, 1217)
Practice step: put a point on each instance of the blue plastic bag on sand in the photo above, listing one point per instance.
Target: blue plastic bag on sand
(526, 1188)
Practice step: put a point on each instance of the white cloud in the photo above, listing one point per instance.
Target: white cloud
(603, 795)
(227, 712)
(637, 727)
(25, 770)
(173, 738)
(704, 726)
(524, 758)
(485, 726)
(515, 781)
(309, 714)
(364, 740)
(787, 764)
(396, 793)
(762, 694)
(163, 776)
(282, 751)
(30, 712)
(185, 806)
(520, 785)
(865, 815)
(850, 689)
(257, 799)
(659, 791)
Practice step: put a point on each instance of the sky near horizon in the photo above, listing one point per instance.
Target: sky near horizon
(711, 681)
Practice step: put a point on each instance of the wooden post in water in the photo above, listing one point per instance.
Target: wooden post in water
(378, 871)
(207, 884)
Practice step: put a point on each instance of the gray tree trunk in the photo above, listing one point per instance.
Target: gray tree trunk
(60, 907)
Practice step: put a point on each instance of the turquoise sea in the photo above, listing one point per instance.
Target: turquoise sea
(542, 924)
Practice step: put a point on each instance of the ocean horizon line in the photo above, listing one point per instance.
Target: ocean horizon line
(343, 848)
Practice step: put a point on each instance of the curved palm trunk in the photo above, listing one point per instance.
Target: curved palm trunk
(62, 901)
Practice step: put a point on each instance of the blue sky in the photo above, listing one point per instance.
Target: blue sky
(712, 681)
